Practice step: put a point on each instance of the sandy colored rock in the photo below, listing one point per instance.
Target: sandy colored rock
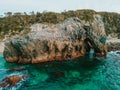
(113, 45)
(69, 39)
(1, 47)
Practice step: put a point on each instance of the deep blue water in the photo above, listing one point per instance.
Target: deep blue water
(84, 73)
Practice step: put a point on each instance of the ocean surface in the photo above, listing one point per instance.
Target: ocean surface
(84, 73)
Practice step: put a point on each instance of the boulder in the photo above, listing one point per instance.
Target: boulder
(12, 80)
(69, 39)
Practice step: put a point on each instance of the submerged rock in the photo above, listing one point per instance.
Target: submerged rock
(58, 74)
(69, 39)
(16, 69)
(11, 81)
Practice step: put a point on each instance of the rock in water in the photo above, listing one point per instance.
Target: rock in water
(12, 80)
(16, 69)
(69, 39)
(113, 45)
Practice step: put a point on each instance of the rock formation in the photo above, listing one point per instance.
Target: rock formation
(16, 69)
(113, 45)
(69, 39)
(11, 81)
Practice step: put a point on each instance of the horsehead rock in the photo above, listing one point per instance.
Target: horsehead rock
(69, 39)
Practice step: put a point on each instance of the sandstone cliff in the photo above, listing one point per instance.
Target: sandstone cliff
(69, 39)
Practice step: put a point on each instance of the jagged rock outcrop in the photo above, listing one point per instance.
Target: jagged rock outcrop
(69, 39)
(113, 44)
(11, 81)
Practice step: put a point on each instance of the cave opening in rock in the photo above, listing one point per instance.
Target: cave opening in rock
(89, 46)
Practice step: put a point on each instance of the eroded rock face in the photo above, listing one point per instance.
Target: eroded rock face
(69, 39)
(113, 46)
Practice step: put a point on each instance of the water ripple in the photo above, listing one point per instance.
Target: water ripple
(84, 73)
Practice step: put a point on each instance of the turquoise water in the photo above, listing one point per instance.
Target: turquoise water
(84, 73)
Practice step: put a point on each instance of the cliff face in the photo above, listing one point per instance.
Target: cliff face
(69, 39)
